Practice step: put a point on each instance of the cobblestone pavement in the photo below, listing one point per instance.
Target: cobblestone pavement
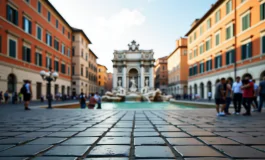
(196, 134)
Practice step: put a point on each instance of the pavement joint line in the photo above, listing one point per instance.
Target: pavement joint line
(132, 150)
(85, 155)
(175, 153)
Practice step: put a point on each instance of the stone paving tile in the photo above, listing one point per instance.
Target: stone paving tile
(149, 141)
(175, 134)
(144, 130)
(34, 134)
(217, 140)
(25, 150)
(110, 150)
(184, 141)
(11, 134)
(115, 140)
(47, 141)
(67, 151)
(121, 129)
(106, 158)
(50, 130)
(262, 148)
(13, 158)
(15, 141)
(61, 134)
(89, 134)
(249, 140)
(153, 151)
(240, 151)
(207, 158)
(55, 158)
(168, 129)
(145, 134)
(77, 141)
(197, 151)
(231, 134)
(254, 133)
(4, 147)
(200, 133)
(118, 134)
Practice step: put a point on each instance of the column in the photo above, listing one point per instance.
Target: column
(142, 76)
(151, 80)
(114, 77)
(138, 82)
(124, 81)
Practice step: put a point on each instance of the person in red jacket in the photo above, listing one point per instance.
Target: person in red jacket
(248, 94)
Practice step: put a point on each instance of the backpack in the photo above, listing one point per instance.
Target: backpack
(23, 89)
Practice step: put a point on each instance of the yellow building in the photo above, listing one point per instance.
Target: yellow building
(92, 72)
(102, 78)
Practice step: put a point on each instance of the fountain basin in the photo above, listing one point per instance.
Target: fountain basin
(133, 97)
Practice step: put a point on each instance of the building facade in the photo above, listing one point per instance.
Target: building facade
(228, 41)
(133, 66)
(109, 82)
(177, 69)
(33, 37)
(102, 79)
(161, 74)
(80, 62)
(92, 72)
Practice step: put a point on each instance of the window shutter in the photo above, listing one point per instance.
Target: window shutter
(233, 56)
(46, 38)
(24, 52)
(28, 55)
(221, 60)
(30, 27)
(215, 62)
(16, 17)
(263, 44)
(250, 49)
(36, 58)
(243, 52)
(7, 12)
(40, 59)
(23, 23)
(51, 41)
(227, 57)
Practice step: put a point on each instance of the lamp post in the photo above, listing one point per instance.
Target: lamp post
(49, 77)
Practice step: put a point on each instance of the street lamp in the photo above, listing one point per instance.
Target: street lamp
(49, 77)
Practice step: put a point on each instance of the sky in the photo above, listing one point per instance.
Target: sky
(113, 24)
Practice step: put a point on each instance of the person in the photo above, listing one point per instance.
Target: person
(228, 96)
(209, 96)
(248, 92)
(42, 98)
(237, 95)
(1, 97)
(254, 100)
(20, 95)
(98, 99)
(82, 100)
(6, 97)
(27, 93)
(14, 98)
(220, 97)
(261, 94)
(92, 102)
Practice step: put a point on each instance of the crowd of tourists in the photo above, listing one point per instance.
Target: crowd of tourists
(93, 99)
(242, 92)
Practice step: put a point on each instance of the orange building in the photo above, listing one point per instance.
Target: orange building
(109, 82)
(33, 36)
(161, 74)
(102, 79)
(228, 41)
(92, 72)
(177, 65)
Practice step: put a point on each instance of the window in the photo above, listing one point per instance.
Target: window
(195, 52)
(262, 11)
(86, 56)
(194, 35)
(63, 49)
(243, 1)
(86, 72)
(217, 16)
(73, 51)
(229, 32)
(39, 32)
(63, 30)
(208, 44)
(48, 62)
(26, 25)
(39, 7)
(195, 70)
(26, 54)
(57, 24)
(82, 53)
(27, 1)
(12, 48)
(73, 70)
(190, 71)
(56, 66)
(73, 38)
(201, 67)
(99, 77)
(12, 15)
(230, 57)
(228, 6)
(68, 52)
(245, 21)
(68, 70)
(38, 59)
(68, 35)
(208, 23)
(246, 51)
(56, 44)
(201, 30)
(63, 68)
(201, 49)
(262, 45)
(217, 39)
(81, 71)
(190, 55)
(48, 39)
(49, 16)
(218, 61)
(209, 65)
(190, 39)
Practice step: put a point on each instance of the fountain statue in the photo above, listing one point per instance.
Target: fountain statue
(133, 87)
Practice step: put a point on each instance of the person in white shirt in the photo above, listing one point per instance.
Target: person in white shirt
(98, 99)
(237, 95)
(209, 96)
(254, 100)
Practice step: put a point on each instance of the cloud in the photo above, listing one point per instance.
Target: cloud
(122, 21)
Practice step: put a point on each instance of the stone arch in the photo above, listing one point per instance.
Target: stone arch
(11, 83)
(190, 89)
(262, 75)
(195, 89)
(247, 75)
(209, 86)
(185, 90)
(132, 69)
(218, 80)
(202, 90)
(177, 91)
